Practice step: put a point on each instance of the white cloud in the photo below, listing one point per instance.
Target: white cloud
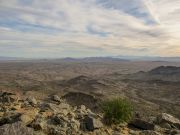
(111, 27)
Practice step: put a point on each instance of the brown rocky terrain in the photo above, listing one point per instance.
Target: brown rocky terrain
(54, 116)
(152, 88)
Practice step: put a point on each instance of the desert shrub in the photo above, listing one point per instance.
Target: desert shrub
(117, 111)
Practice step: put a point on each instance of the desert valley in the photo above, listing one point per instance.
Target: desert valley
(152, 87)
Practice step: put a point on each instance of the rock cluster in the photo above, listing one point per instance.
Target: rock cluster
(56, 117)
(163, 124)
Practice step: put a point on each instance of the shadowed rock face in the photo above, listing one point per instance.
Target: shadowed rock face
(78, 98)
(84, 83)
(79, 79)
(165, 70)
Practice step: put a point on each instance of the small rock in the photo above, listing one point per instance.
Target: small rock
(38, 124)
(132, 132)
(165, 125)
(60, 120)
(55, 108)
(75, 125)
(64, 106)
(158, 128)
(16, 107)
(57, 131)
(71, 114)
(83, 107)
(32, 101)
(56, 98)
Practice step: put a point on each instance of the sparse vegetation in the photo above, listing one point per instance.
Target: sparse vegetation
(117, 111)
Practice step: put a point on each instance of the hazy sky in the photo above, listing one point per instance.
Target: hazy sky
(78, 28)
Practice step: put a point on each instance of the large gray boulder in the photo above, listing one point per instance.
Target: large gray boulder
(91, 123)
(15, 129)
(167, 118)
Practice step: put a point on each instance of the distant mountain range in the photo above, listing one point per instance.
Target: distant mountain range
(97, 59)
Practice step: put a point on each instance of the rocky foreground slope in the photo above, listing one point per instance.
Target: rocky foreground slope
(54, 116)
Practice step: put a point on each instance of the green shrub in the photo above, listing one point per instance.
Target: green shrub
(117, 111)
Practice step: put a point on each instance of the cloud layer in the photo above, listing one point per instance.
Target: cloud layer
(78, 28)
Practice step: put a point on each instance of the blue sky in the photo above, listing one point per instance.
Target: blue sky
(84, 28)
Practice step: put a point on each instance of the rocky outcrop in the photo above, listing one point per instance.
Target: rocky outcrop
(52, 117)
(168, 120)
(165, 70)
(79, 98)
(56, 117)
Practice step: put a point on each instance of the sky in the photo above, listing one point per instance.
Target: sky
(89, 28)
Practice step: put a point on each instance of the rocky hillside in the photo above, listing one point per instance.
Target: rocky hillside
(162, 74)
(54, 116)
(166, 70)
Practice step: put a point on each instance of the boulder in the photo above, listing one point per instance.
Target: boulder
(15, 129)
(28, 116)
(91, 123)
(142, 124)
(167, 118)
(26, 119)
